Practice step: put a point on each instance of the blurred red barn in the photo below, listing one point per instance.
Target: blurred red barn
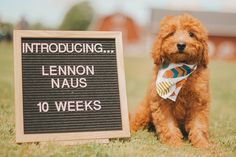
(134, 36)
(120, 22)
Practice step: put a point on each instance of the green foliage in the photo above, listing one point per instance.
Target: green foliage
(78, 17)
(6, 31)
(142, 143)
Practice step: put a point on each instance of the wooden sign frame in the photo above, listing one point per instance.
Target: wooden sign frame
(20, 135)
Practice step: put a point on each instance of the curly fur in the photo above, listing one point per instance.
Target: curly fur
(189, 113)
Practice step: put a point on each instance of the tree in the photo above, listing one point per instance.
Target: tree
(6, 31)
(78, 17)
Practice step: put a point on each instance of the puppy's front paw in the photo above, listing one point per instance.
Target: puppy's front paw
(172, 139)
(199, 139)
(202, 144)
(174, 142)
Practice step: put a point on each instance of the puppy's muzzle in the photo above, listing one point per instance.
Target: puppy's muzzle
(181, 47)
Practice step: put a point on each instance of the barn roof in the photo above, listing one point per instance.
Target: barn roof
(120, 22)
(217, 23)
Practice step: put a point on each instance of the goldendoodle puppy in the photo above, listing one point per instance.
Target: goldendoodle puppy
(177, 99)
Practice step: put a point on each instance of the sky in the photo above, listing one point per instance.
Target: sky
(51, 12)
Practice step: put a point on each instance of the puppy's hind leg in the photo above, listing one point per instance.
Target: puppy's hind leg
(142, 117)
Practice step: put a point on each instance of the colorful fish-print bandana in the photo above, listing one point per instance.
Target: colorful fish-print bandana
(171, 78)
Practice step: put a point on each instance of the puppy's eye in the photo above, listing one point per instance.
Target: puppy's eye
(171, 34)
(191, 34)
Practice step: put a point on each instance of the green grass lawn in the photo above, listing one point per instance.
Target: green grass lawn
(142, 143)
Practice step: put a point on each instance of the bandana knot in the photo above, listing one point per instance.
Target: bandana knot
(171, 78)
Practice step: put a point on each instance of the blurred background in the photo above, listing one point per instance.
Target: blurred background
(137, 19)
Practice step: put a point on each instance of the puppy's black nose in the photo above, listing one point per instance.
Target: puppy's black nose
(181, 46)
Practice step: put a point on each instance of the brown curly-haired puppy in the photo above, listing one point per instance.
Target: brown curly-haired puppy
(189, 113)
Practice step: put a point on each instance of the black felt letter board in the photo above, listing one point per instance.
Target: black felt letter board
(102, 86)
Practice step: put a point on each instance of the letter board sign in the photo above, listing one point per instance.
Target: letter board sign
(69, 85)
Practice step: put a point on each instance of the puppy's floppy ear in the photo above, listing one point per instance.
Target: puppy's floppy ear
(204, 60)
(156, 50)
